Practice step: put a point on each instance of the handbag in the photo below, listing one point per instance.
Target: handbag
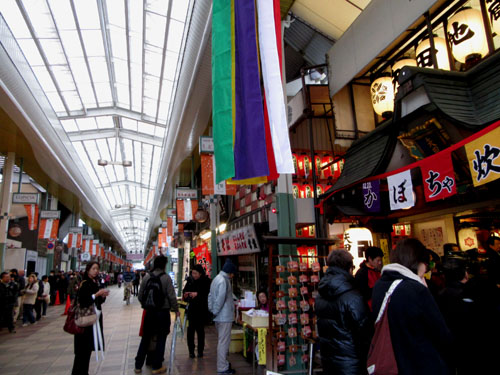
(85, 316)
(381, 359)
(70, 325)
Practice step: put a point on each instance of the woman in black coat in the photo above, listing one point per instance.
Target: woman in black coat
(88, 295)
(196, 293)
(419, 335)
(344, 326)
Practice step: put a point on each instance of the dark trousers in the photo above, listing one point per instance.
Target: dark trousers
(38, 309)
(44, 308)
(28, 314)
(155, 322)
(196, 325)
(81, 363)
(136, 289)
(53, 293)
(7, 318)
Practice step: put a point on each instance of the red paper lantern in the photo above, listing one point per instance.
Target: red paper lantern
(302, 191)
(295, 164)
(308, 191)
(327, 172)
(296, 191)
(307, 166)
(317, 166)
(300, 166)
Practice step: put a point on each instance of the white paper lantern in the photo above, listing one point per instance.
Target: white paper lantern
(382, 94)
(467, 239)
(356, 240)
(396, 68)
(424, 58)
(466, 34)
(494, 15)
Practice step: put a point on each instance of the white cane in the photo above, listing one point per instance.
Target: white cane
(172, 349)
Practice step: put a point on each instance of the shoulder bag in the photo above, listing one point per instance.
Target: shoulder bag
(85, 316)
(381, 359)
(70, 325)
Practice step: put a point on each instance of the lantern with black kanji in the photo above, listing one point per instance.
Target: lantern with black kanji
(466, 35)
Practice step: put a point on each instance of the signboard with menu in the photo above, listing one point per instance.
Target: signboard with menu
(238, 242)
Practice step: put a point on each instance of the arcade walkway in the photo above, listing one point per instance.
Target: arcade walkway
(44, 348)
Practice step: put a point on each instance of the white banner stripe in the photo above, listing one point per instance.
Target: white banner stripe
(48, 228)
(273, 86)
(188, 211)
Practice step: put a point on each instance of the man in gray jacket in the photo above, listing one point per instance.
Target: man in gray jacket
(220, 303)
(157, 321)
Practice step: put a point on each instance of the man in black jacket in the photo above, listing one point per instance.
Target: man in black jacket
(369, 273)
(8, 297)
(344, 326)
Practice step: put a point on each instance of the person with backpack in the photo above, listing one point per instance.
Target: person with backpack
(221, 304)
(157, 297)
(8, 297)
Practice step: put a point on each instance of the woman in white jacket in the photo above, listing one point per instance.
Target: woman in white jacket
(30, 294)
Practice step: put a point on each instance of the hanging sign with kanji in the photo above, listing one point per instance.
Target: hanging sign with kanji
(438, 178)
(371, 196)
(203, 257)
(484, 157)
(401, 190)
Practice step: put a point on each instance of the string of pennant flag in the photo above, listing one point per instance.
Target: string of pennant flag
(438, 176)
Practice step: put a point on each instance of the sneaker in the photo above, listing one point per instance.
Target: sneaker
(228, 371)
(137, 370)
(25, 324)
(161, 370)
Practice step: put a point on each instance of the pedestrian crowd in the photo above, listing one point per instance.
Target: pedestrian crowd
(419, 314)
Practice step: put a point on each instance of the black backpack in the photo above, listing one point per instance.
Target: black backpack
(153, 297)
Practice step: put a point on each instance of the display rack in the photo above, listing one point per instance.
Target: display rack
(293, 286)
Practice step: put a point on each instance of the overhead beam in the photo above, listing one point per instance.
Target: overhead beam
(87, 135)
(113, 111)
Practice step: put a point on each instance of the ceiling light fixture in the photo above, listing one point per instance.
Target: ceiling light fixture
(124, 163)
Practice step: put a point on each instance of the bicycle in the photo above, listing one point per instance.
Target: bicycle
(127, 291)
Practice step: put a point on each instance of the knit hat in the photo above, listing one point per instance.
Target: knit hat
(229, 267)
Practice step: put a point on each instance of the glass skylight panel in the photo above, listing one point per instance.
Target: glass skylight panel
(105, 198)
(72, 99)
(158, 6)
(146, 128)
(124, 194)
(159, 131)
(30, 51)
(170, 67)
(105, 122)
(120, 175)
(133, 195)
(149, 107)
(39, 15)
(138, 161)
(56, 102)
(11, 13)
(103, 91)
(86, 123)
(69, 126)
(88, 15)
(53, 51)
(155, 29)
(80, 149)
(116, 12)
(175, 33)
(71, 43)
(102, 145)
(92, 40)
(153, 58)
(129, 124)
(118, 195)
(179, 10)
(63, 15)
(63, 77)
(123, 96)
(111, 197)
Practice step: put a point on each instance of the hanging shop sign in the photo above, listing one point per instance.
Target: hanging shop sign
(371, 196)
(135, 257)
(85, 257)
(50, 214)
(206, 145)
(75, 239)
(203, 257)
(25, 198)
(186, 193)
(32, 212)
(49, 227)
(186, 209)
(438, 178)
(484, 157)
(238, 242)
(401, 190)
(208, 184)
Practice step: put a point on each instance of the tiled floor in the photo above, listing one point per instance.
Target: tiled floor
(44, 348)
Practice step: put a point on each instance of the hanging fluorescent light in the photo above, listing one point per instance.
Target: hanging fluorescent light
(124, 163)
